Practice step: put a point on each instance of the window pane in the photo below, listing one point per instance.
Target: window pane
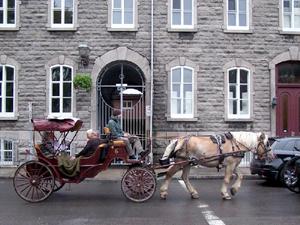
(1, 16)
(10, 16)
(7, 145)
(232, 91)
(128, 18)
(7, 156)
(187, 90)
(231, 5)
(244, 107)
(69, 4)
(66, 105)
(67, 90)
(187, 20)
(9, 89)
(117, 17)
(232, 76)
(0, 89)
(9, 105)
(1, 3)
(56, 74)
(176, 75)
(243, 5)
(244, 76)
(57, 17)
(243, 19)
(176, 106)
(187, 5)
(55, 105)
(55, 90)
(233, 107)
(1, 69)
(187, 109)
(117, 4)
(188, 76)
(297, 22)
(287, 4)
(176, 18)
(68, 16)
(287, 21)
(296, 5)
(176, 4)
(176, 91)
(9, 73)
(244, 92)
(232, 19)
(67, 76)
(57, 3)
(128, 4)
(11, 4)
(0, 104)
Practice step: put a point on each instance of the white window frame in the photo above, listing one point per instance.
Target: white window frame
(237, 26)
(122, 9)
(182, 115)
(62, 9)
(282, 13)
(2, 151)
(60, 82)
(238, 115)
(182, 26)
(16, 24)
(3, 92)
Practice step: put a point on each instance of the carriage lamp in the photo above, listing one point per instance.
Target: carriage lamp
(84, 52)
(274, 102)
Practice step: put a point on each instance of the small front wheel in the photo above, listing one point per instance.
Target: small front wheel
(290, 177)
(138, 184)
(33, 181)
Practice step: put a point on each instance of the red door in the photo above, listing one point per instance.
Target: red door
(288, 99)
(288, 112)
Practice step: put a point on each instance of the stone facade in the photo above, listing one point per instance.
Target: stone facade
(209, 47)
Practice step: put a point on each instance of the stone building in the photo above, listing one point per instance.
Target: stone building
(180, 66)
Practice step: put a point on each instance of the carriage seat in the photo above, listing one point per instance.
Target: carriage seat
(115, 142)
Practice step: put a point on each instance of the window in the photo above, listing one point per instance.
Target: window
(291, 15)
(6, 152)
(238, 93)
(61, 91)
(237, 14)
(63, 14)
(182, 92)
(7, 91)
(182, 14)
(9, 14)
(123, 14)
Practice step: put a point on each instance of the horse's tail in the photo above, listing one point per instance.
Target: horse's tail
(170, 149)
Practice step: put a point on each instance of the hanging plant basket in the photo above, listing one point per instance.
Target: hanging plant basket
(83, 81)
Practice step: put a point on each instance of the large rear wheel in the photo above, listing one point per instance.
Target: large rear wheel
(138, 184)
(290, 178)
(33, 181)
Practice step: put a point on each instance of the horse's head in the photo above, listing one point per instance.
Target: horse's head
(263, 148)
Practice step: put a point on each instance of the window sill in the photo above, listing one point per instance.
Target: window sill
(179, 30)
(9, 118)
(289, 32)
(122, 29)
(238, 31)
(181, 119)
(73, 29)
(9, 28)
(239, 120)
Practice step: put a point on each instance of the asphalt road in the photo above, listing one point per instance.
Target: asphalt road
(102, 203)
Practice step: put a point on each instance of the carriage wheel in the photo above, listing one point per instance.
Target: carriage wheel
(33, 181)
(290, 177)
(58, 185)
(138, 184)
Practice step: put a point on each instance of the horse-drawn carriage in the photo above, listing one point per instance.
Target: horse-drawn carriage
(36, 180)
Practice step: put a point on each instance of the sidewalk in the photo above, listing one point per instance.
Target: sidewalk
(116, 173)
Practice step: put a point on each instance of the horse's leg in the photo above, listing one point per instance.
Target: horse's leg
(164, 187)
(237, 184)
(189, 186)
(228, 173)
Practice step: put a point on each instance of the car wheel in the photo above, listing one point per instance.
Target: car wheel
(290, 178)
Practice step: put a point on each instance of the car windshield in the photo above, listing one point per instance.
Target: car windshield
(287, 145)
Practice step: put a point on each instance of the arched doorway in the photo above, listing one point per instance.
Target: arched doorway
(121, 85)
(288, 98)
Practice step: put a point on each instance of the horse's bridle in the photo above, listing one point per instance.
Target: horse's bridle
(266, 149)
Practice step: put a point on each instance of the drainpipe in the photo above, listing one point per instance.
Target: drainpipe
(151, 79)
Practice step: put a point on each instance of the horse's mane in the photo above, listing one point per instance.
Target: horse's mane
(249, 139)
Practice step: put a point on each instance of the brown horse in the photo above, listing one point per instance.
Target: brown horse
(203, 151)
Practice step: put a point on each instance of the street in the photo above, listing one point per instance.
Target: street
(102, 203)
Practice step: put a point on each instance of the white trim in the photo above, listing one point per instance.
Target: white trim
(2, 151)
(292, 16)
(5, 25)
(237, 21)
(238, 84)
(122, 9)
(182, 115)
(60, 82)
(181, 10)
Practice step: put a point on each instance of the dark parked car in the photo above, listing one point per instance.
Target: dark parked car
(284, 149)
(291, 173)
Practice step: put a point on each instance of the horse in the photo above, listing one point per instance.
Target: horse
(201, 150)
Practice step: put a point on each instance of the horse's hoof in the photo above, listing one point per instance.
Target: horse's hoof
(233, 191)
(195, 196)
(226, 197)
(163, 196)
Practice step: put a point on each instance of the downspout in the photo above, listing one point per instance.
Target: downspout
(151, 80)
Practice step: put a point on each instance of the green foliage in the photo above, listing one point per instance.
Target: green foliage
(83, 81)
